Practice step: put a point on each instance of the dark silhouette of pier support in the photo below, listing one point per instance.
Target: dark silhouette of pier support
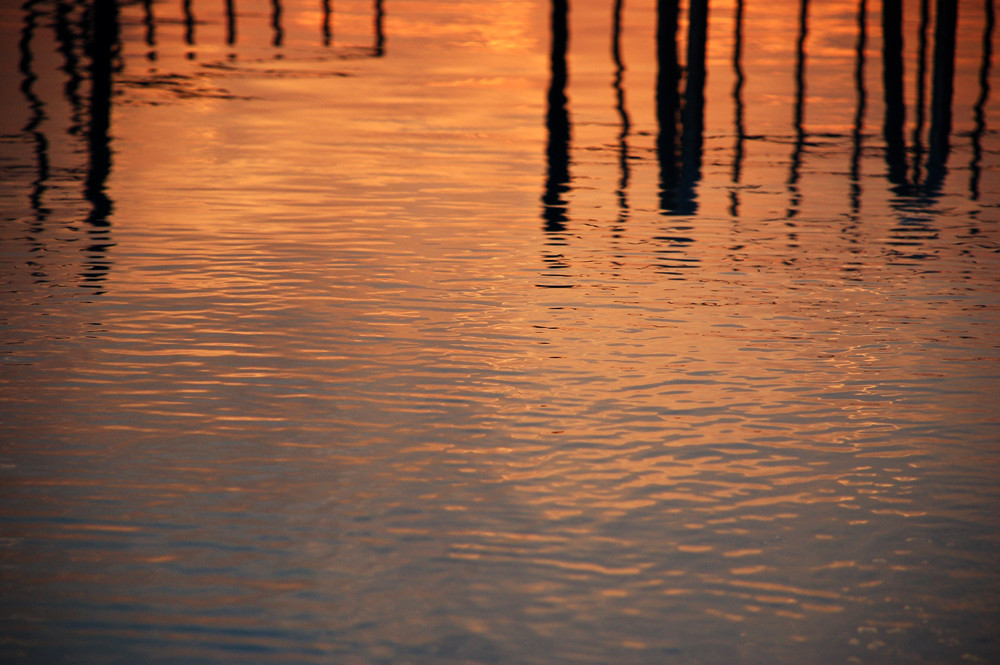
(557, 123)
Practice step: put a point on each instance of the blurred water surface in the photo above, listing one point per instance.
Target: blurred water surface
(439, 331)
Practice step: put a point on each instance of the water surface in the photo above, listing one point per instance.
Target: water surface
(513, 332)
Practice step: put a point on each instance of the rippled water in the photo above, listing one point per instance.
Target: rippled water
(418, 332)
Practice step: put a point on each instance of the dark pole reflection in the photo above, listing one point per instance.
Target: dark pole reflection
(103, 48)
(623, 156)
(230, 22)
(279, 33)
(892, 81)
(67, 35)
(327, 31)
(941, 92)
(800, 92)
(37, 115)
(667, 99)
(693, 114)
(734, 201)
(149, 21)
(921, 101)
(859, 113)
(379, 49)
(557, 124)
(979, 109)
(188, 23)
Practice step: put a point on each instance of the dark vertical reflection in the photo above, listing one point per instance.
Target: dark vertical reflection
(36, 116)
(379, 50)
(979, 109)
(734, 201)
(946, 18)
(557, 124)
(103, 48)
(230, 22)
(921, 101)
(892, 82)
(149, 21)
(67, 35)
(795, 197)
(859, 113)
(623, 156)
(279, 33)
(667, 99)
(327, 31)
(693, 114)
(188, 23)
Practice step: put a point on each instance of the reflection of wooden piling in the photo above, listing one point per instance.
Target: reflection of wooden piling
(941, 90)
(327, 31)
(279, 33)
(623, 154)
(102, 47)
(979, 108)
(892, 83)
(738, 127)
(230, 22)
(379, 49)
(693, 113)
(859, 113)
(557, 122)
(667, 98)
(799, 115)
(188, 23)
(921, 98)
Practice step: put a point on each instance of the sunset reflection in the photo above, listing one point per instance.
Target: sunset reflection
(534, 331)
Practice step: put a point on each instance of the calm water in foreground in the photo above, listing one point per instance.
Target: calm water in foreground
(440, 331)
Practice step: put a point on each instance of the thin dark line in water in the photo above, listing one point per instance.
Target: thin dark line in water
(667, 100)
(67, 38)
(693, 113)
(738, 109)
(921, 101)
(979, 108)
(557, 123)
(379, 48)
(327, 29)
(945, 20)
(795, 197)
(279, 33)
(189, 22)
(230, 22)
(617, 84)
(859, 114)
(892, 83)
(37, 115)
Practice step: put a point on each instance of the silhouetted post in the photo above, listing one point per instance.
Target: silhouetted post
(557, 123)
(859, 113)
(979, 109)
(941, 91)
(734, 200)
(667, 99)
(892, 83)
(379, 50)
(693, 114)
(623, 156)
(102, 47)
(798, 121)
